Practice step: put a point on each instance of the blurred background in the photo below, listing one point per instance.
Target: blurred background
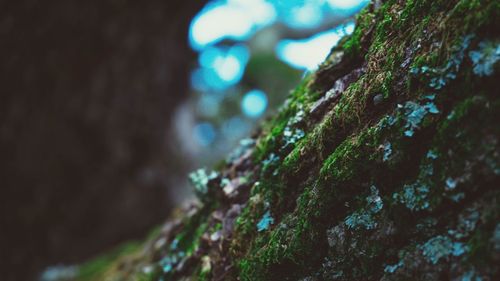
(105, 106)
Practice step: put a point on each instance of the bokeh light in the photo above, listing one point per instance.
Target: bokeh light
(233, 19)
(204, 133)
(310, 52)
(254, 103)
(251, 53)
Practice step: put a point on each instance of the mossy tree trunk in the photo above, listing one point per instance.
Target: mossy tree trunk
(382, 165)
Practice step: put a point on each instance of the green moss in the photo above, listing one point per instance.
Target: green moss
(97, 267)
(472, 15)
(274, 129)
(353, 46)
(351, 156)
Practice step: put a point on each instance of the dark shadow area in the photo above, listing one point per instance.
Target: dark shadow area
(87, 92)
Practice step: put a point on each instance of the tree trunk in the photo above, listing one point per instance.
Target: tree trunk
(88, 91)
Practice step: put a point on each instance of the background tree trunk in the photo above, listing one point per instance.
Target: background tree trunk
(88, 89)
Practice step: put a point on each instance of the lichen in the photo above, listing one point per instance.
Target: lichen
(485, 58)
(439, 77)
(387, 151)
(414, 196)
(393, 268)
(200, 179)
(292, 134)
(265, 222)
(244, 146)
(440, 247)
(415, 113)
(365, 217)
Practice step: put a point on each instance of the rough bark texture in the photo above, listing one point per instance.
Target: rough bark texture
(382, 165)
(87, 94)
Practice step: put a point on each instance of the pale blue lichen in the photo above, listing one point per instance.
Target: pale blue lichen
(387, 151)
(470, 275)
(451, 190)
(297, 118)
(426, 224)
(174, 244)
(440, 76)
(265, 222)
(330, 271)
(466, 225)
(270, 163)
(431, 108)
(243, 147)
(432, 155)
(451, 183)
(414, 113)
(167, 267)
(271, 159)
(365, 216)
(168, 262)
(200, 179)
(292, 134)
(374, 201)
(59, 272)
(493, 163)
(442, 247)
(427, 169)
(225, 182)
(359, 219)
(174, 257)
(414, 196)
(387, 122)
(457, 197)
(485, 58)
(393, 268)
(430, 97)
